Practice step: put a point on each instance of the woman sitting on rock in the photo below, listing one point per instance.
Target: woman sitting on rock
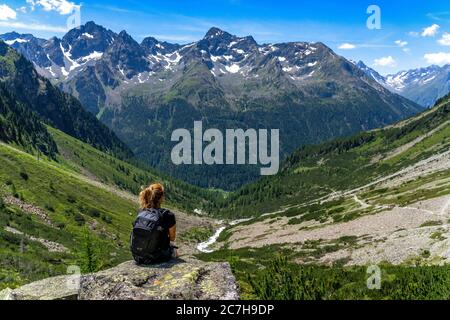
(154, 229)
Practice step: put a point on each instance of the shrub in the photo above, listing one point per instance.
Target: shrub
(49, 207)
(69, 212)
(14, 191)
(107, 219)
(79, 219)
(61, 225)
(295, 221)
(94, 213)
(431, 224)
(24, 176)
(197, 234)
(282, 280)
(71, 199)
(89, 256)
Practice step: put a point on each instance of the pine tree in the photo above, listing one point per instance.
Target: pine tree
(89, 256)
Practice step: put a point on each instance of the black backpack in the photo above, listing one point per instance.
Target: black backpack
(147, 236)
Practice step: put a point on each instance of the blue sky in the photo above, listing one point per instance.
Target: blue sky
(413, 33)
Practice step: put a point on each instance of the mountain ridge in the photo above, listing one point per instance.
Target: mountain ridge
(55, 107)
(422, 85)
(304, 89)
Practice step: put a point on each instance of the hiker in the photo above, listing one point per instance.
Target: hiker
(154, 229)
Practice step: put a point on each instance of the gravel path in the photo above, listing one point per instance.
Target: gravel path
(396, 234)
(50, 245)
(28, 208)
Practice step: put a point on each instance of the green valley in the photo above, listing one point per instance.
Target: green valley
(82, 198)
(378, 198)
(314, 172)
(365, 180)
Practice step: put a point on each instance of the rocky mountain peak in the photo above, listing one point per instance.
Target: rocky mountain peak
(87, 40)
(154, 47)
(127, 56)
(218, 42)
(423, 85)
(15, 37)
(214, 33)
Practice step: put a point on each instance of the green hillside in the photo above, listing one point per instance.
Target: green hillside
(22, 126)
(65, 196)
(73, 206)
(81, 200)
(313, 172)
(131, 176)
(378, 198)
(60, 110)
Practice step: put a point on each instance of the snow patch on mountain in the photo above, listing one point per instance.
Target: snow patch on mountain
(11, 42)
(87, 35)
(234, 68)
(69, 63)
(93, 56)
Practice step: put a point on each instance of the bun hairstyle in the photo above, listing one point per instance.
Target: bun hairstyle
(152, 196)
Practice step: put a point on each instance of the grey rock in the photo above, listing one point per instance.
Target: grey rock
(176, 280)
(56, 288)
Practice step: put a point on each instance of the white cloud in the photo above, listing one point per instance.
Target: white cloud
(22, 9)
(431, 31)
(33, 26)
(439, 58)
(385, 62)
(32, 4)
(6, 13)
(445, 40)
(347, 46)
(401, 43)
(63, 7)
(170, 37)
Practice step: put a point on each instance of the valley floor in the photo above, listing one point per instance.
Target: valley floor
(392, 236)
(403, 218)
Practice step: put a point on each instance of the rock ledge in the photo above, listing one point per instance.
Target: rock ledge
(177, 280)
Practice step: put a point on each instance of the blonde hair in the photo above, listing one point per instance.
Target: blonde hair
(152, 196)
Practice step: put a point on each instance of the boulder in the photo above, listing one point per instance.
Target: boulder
(176, 280)
(56, 288)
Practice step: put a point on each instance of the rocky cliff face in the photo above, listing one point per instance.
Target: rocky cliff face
(178, 280)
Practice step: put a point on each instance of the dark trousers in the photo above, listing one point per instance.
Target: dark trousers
(160, 257)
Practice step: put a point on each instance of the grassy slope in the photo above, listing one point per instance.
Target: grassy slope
(266, 273)
(79, 193)
(86, 160)
(54, 107)
(342, 165)
(66, 191)
(71, 203)
(316, 171)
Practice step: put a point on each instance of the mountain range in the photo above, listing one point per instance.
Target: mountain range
(423, 86)
(67, 183)
(36, 95)
(144, 91)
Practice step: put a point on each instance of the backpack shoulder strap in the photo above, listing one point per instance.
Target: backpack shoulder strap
(149, 211)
